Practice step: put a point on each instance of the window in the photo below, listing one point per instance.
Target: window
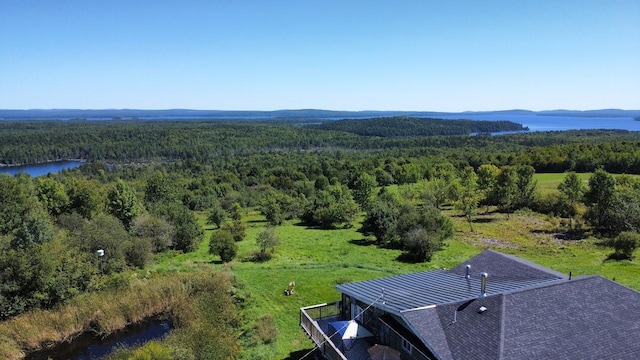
(356, 312)
(406, 346)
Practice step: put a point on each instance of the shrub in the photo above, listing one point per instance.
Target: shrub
(625, 244)
(236, 229)
(419, 245)
(222, 244)
(266, 331)
(153, 350)
(138, 252)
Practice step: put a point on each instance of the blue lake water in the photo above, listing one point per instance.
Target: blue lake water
(41, 169)
(557, 123)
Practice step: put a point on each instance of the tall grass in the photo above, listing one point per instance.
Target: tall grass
(100, 312)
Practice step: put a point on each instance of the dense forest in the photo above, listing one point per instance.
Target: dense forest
(411, 126)
(147, 184)
(25, 142)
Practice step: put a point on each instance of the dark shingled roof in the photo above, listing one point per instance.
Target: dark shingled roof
(531, 312)
(499, 265)
(586, 318)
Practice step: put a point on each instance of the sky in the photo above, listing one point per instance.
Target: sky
(411, 55)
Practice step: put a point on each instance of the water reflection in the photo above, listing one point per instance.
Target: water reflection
(87, 346)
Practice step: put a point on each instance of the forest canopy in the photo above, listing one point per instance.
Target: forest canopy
(402, 126)
(26, 142)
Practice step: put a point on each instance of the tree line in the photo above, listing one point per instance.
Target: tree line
(615, 151)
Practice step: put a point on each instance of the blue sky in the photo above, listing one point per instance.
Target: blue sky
(451, 55)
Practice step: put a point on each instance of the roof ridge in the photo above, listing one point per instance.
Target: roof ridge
(556, 282)
(529, 263)
(503, 308)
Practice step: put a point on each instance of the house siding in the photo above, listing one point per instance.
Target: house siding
(395, 341)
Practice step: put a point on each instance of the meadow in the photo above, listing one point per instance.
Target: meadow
(317, 260)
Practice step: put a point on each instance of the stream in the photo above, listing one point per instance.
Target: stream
(88, 346)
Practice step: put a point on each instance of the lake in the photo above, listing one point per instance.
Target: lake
(41, 169)
(557, 123)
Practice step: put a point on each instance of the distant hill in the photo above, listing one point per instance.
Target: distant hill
(401, 126)
(128, 114)
(176, 114)
(592, 113)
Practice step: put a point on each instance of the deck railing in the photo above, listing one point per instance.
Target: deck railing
(308, 321)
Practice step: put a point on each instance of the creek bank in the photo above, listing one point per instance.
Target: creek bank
(89, 346)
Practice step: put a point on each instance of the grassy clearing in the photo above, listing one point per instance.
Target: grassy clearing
(317, 260)
(548, 182)
(534, 237)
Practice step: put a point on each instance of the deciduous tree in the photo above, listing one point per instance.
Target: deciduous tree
(487, 182)
(600, 198)
(572, 191)
(267, 241)
(123, 203)
(468, 196)
(363, 189)
(222, 244)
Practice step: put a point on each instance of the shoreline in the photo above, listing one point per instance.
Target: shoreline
(3, 165)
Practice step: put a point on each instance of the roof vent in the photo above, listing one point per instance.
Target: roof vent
(468, 268)
(483, 284)
(482, 309)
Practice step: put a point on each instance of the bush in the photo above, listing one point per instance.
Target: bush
(266, 331)
(153, 350)
(138, 252)
(236, 229)
(222, 244)
(159, 231)
(420, 244)
(625, 244)
(216, 215)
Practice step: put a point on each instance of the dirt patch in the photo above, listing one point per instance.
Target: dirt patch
(532, 220)
(497, 243)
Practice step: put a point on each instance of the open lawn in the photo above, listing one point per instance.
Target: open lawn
(548, 182)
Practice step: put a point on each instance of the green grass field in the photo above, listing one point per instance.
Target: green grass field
(317, 260)
(548, 182)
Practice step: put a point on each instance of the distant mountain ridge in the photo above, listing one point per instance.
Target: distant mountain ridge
(127, 114)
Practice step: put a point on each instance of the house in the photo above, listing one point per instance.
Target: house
(494, 306)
